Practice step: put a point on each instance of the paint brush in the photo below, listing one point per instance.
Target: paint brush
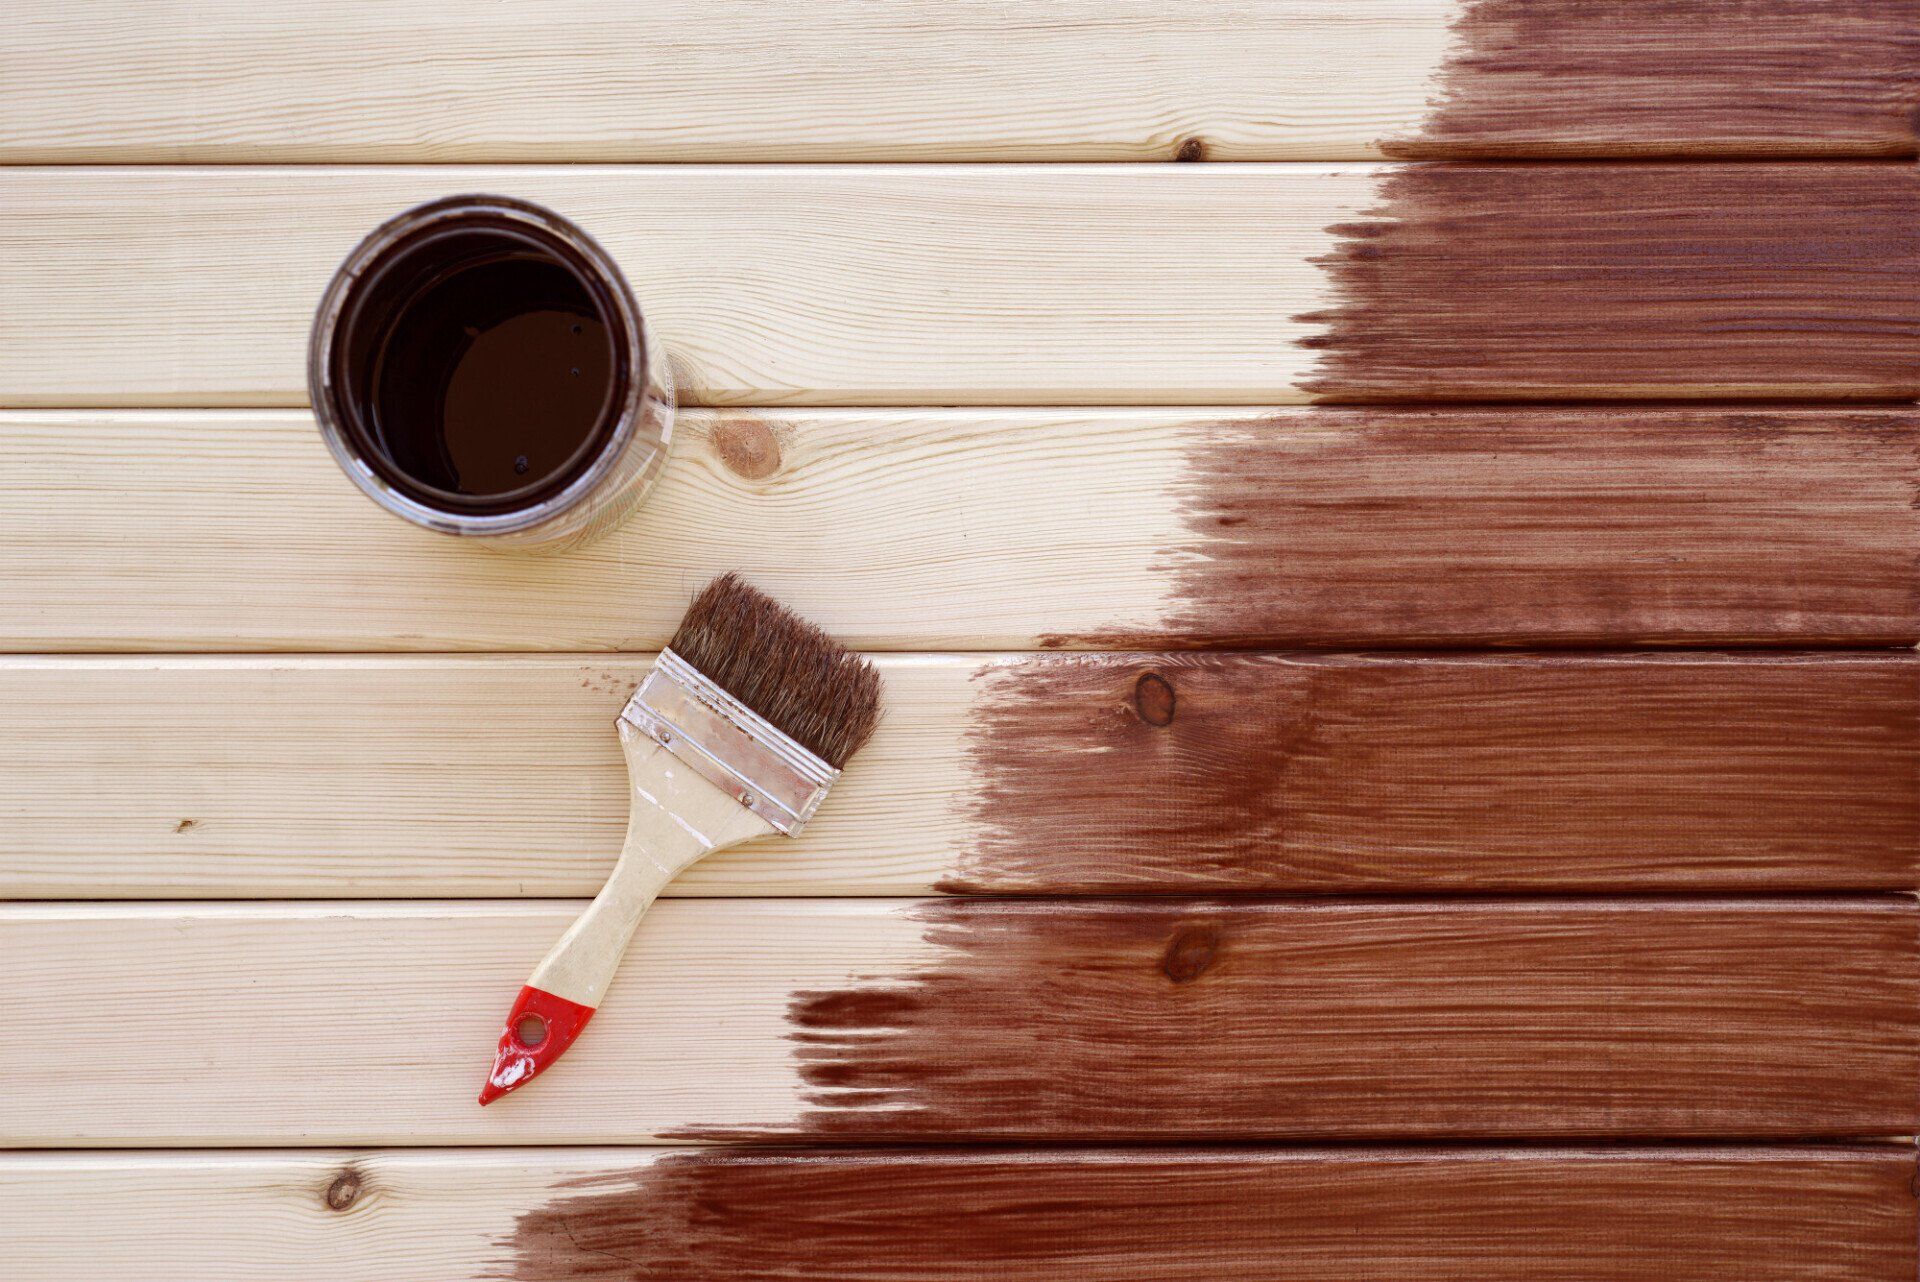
(738, 732)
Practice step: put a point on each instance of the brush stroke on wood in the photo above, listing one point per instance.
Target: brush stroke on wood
(1244, 1215)
(1518, 282)
(1148, 773)
(1136, 1019)
(1541, 78)
(1564, 527)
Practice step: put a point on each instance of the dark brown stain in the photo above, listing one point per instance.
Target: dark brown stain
(1547, 78)
(1422, 772)
(1245, 1215)
(1546, 526)
(748, 447)
(1505, 282)
(1055, 1020)
(344, 1191)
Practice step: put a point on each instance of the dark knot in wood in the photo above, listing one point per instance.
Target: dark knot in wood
(1190, 952)
(1154, 700)
(344, 1191)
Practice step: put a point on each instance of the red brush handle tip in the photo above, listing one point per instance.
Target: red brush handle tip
(539, 1029)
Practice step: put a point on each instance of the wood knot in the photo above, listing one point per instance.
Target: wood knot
(344, 1191)
(748, 447)
(1190, 150)
(186, 825)
(1190, 952)
(1153, 699)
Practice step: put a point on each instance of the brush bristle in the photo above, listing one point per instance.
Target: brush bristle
(781, 666)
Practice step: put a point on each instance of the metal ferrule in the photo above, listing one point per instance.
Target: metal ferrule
(729, 744)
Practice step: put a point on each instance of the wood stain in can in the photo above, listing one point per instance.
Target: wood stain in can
(480, 366)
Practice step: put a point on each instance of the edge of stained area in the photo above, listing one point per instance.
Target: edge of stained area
(1726, 78)
(1541, 526)
(1623, 281)
(1207, 1214)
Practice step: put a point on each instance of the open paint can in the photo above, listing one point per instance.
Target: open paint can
(479, 367)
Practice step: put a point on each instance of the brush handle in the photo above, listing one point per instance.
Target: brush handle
(676, 818)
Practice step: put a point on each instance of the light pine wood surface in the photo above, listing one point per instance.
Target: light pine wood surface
(373, 1023)
(769, 284)
(684, 80)
(1007, 529)
(289, 776)
(1111, 1215)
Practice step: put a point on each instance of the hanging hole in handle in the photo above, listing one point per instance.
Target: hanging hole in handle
(530, 1030)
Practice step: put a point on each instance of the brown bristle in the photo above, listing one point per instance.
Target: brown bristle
(781, 666)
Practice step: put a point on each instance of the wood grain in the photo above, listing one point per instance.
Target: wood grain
(1029, 774)
(978, 529)
(1083, 1020)
(915, 285)
(1244, 1214)
(1564, 527)
(1675, 77)
(218, 81)
(1640, 1214)
(1144, 773)
(1473, 282)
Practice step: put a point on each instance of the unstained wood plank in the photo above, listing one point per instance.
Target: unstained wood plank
(979, 529)
(1013, 284)
(1038, 773)
(1639, 1214)
(362, 80)
(889, 1020)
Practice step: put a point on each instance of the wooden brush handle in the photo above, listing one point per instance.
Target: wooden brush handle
(676, 817)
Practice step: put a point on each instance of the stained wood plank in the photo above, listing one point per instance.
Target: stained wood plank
(1670, 1214)
(334, 1023)
(975, 529)
(1119, 773)
(895, 285)
(219, 80)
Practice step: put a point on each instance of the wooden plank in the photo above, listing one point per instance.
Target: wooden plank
(340, 1023)
(1669, 1214)
(1024, 774)
(973, 529)
(220, 81)
(897, 285)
